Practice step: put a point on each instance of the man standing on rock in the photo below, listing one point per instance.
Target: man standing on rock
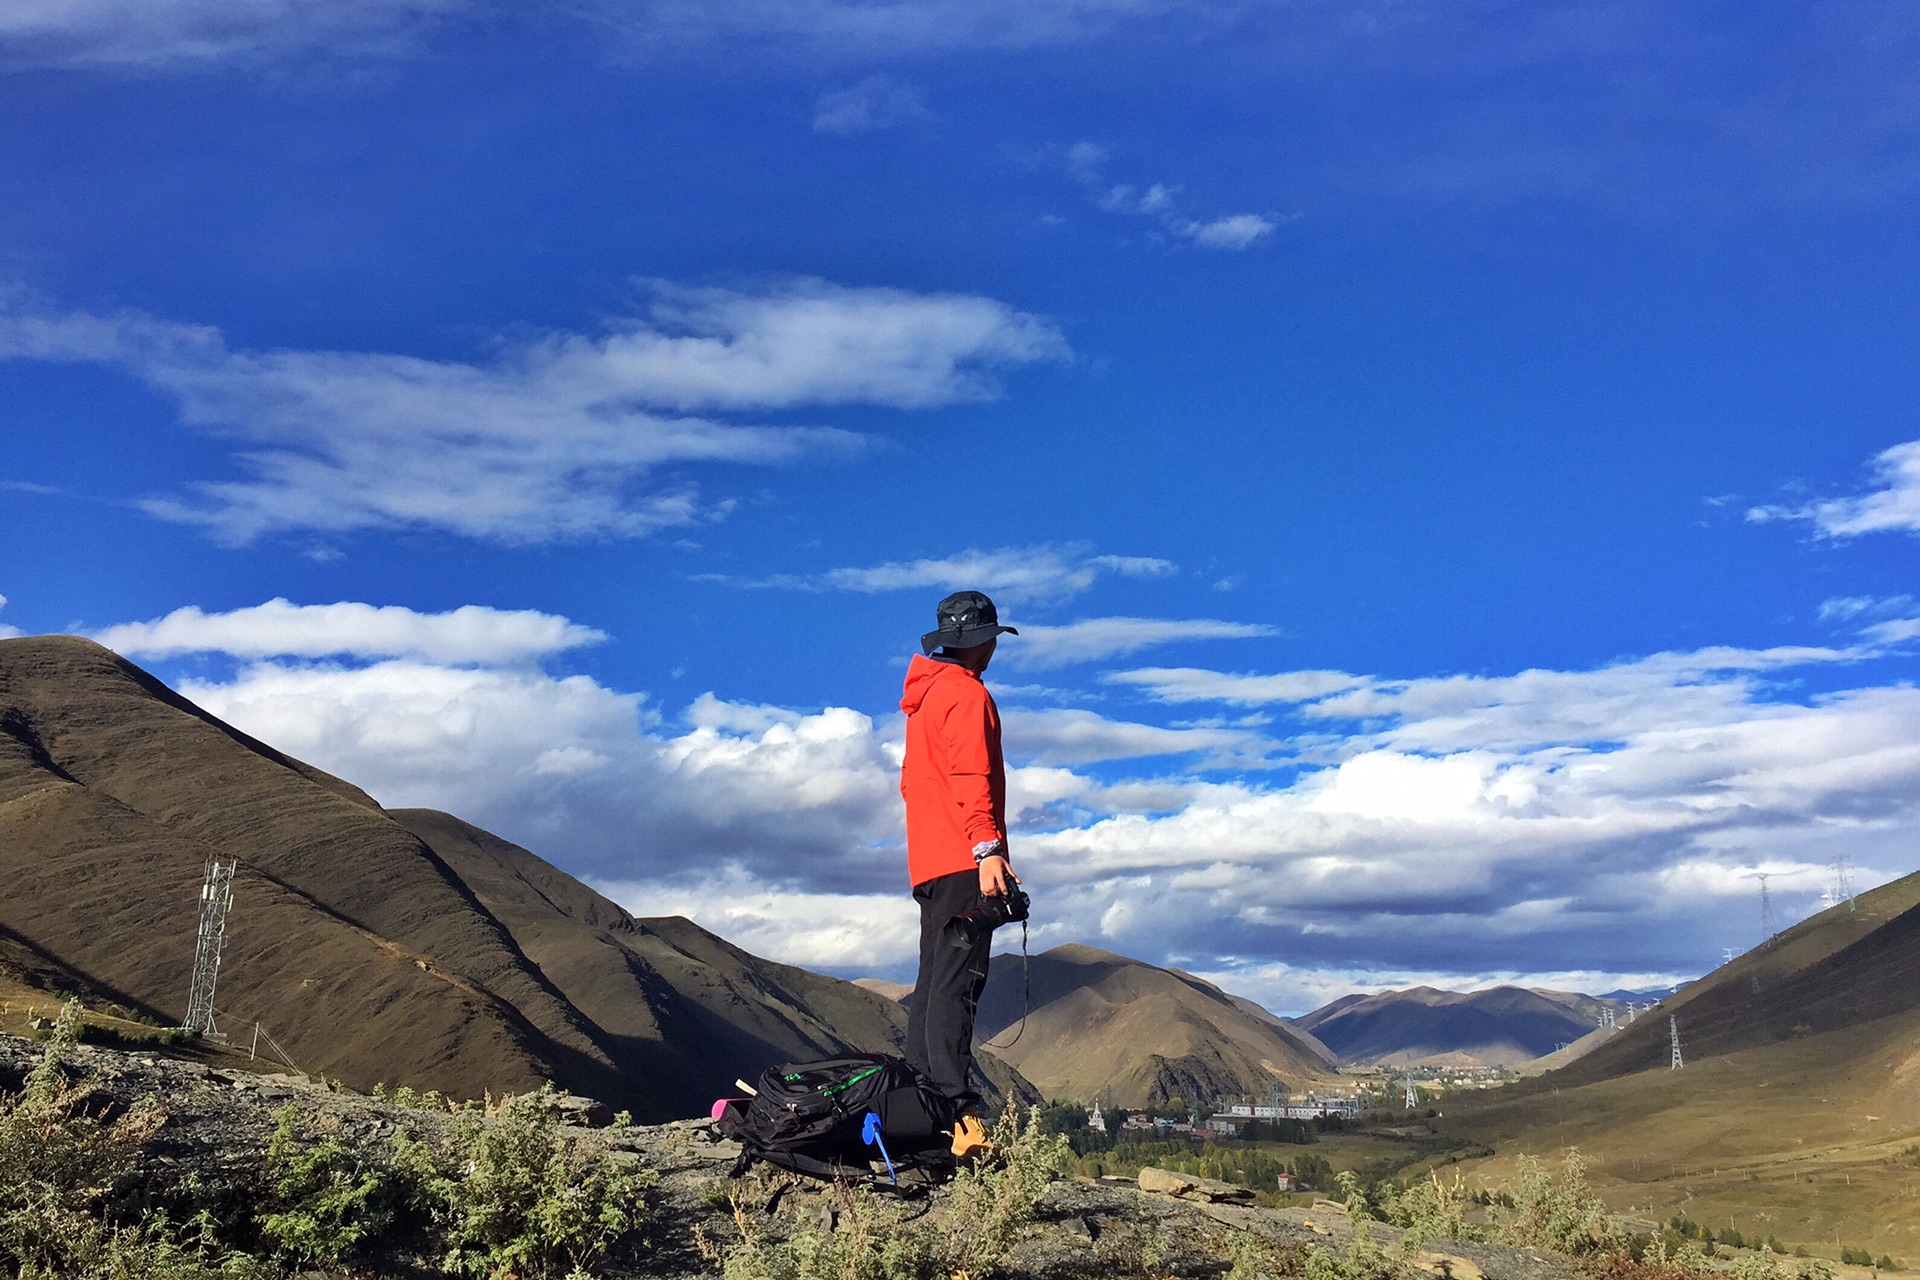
(955, 785)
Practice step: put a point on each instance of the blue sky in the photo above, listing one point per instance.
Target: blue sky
(1453, 465)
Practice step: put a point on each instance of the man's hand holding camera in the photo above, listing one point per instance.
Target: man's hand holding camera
(996, 872)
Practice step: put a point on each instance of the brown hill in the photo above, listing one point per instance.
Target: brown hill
(1851, 964)
(1105, 1027)
(438, 956)
(1795, 1109)
(1502, 1026)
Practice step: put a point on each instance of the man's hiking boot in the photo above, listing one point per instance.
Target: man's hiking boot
(970, 1141)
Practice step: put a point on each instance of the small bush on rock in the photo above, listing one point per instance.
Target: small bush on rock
(330, 1201)
(1431, 1209)
(522, 1196)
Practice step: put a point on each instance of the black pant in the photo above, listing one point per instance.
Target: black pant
(940, 1019)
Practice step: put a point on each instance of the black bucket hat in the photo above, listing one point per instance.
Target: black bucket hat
(965, 618)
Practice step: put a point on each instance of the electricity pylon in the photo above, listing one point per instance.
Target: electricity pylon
(1842, 882)
(1769, 924)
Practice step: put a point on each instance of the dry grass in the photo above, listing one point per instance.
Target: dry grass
(1803, 1139)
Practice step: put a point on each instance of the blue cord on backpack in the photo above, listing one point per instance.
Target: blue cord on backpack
(870, 1134)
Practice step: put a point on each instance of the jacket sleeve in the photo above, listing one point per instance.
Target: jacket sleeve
(963, 733)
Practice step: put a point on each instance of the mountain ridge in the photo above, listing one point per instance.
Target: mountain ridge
(1499, 1026)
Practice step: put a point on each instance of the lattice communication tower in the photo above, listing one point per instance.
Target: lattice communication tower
(1673, 1029)
(216, 900)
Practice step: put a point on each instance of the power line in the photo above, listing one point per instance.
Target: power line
(216, 900)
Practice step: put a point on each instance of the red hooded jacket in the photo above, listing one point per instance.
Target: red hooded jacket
(953, 778)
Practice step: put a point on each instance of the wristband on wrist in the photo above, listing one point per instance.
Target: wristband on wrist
(988, 849)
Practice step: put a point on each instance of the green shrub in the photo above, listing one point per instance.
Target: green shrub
(523, 1196)
(1756, 1266)
(330, 1201)
(408, 1096)
(1430, 1209)
(1257, 1259)
(1362, 1259)
(1566, 1217)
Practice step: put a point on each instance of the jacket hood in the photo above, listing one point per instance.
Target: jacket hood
(922, 671)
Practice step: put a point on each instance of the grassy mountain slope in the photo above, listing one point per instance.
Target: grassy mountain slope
(349, 938)
(1103, 1025)
(1502, 1026)
(1848, 965)
(1796, 1111)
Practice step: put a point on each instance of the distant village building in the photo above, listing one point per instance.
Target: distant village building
(1284, 1182)
(1096, 1121)
(1311, 1109)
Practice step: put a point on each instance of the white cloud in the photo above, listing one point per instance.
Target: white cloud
(1855, 608)
(553, 437)
(585, 774)
(1457, 827)
(1060, 736)
(1092, 639)
(469, 634)
(7, 632)
(861, 933)
(878, 102)
(1894, 507)
(149, 34)
(1235, 231)
(1015, 575)
(1020, 574)
(1194, 684)
(1086, 165)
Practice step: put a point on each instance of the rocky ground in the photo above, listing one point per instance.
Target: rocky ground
(218, 1121)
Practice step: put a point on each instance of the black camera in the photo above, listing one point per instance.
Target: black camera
(965, 930)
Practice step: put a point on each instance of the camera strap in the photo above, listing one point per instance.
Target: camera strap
(1026, 993)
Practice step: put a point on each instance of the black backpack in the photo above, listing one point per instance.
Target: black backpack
(812, 1118)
